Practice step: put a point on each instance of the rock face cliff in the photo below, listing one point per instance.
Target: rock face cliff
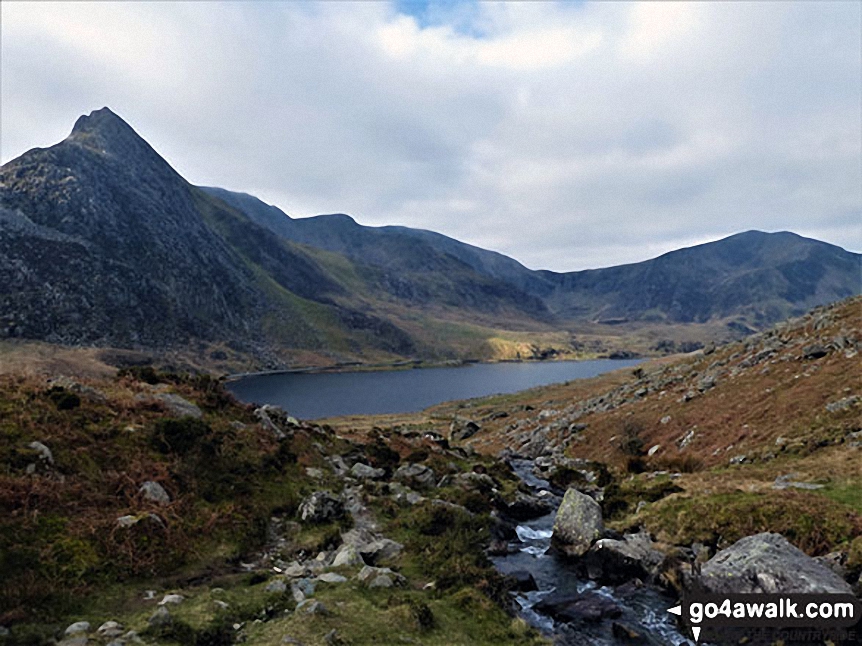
(103, 243)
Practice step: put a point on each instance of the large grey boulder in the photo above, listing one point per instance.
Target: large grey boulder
(321, 507)
(578, 524)
(365, 472)
(767, 563)
(382, 549)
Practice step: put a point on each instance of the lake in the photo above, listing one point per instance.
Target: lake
(314, 396)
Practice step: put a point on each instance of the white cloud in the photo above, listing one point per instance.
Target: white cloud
(565, 135)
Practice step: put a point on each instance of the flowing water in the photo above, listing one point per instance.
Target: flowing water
(644, 609)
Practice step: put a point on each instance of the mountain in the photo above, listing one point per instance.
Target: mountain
(757, 277)
(102, 243)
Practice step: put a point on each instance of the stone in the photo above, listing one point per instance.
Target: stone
(381, 581)
(173, 599)
(347, 556)
(42, 451)
(331, 577)
(382, 549)
(292, 641)
(768, 564)
(154, 492)
(369, 574)
(78, 627)
(616, 561)
(321, 507)
(578, 524)
(277, 586)
(110, 629)
(461, 429)
(312, 607)
(416, 475)
(814, 351)
(365, 472)
(653, 450)
(160, 618)
(527, 507)
(586, 607)
(221, 605)
(842, 404)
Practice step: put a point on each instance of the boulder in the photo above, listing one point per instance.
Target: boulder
(416, 475)
(78, 627)
(347, 556)
(615, 561)
(768, 564)
(178, 406)
(331, 577)
(160, 618)
(154, 492)
(276, 420)
(42, 451)
(321, 507)
(383, 549)
(365, 472)
(578, 524)
(377, 577)
(277, 586)
(527, 507)
(460, 429)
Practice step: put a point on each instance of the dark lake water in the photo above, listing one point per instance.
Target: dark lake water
(313, 396)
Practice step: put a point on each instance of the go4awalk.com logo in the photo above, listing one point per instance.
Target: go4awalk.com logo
(815, 613)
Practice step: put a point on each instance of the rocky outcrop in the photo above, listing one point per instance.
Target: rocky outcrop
(578, 524)
(461, 429)
(768, 563)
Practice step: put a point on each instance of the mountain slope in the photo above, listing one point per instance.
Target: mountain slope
(103, 243)
(757, 277)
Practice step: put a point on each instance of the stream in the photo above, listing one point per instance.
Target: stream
(642, 616)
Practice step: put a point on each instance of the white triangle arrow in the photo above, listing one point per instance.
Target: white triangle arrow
(695, 630)
(676, 610)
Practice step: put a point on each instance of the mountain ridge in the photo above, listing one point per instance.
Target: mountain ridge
(103, 243)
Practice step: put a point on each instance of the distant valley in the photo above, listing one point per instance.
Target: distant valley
(103, 244)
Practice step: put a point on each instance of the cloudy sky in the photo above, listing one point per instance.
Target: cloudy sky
(567, 135)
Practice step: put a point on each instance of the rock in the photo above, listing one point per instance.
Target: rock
(78, 627)
(110, 629)
(578, 524)
(416, 475)
(221, 605)
(616, 561)
(381, 581)
(369, 574)
(347, 556)
(686, 439)
(154, 492)
(321, 507)
(174, 599)
(287, 639)
(767, 564)
(586, 607)
(461, 429)
(295, 570)
(297, 593)
(814, 351)
(312, 607)
(653, 450)
(160, 618)
(276, 420)
(42, 451)
(78, 639)
(382, 549)
(786, 481)
(365, 472)
(278, 586)
(527, 507)
(842, 404)
(331, 577)
(523, 581)
(332, 639)
(665, 419)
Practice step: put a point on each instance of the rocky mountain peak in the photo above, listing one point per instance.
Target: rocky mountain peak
(104, 131)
